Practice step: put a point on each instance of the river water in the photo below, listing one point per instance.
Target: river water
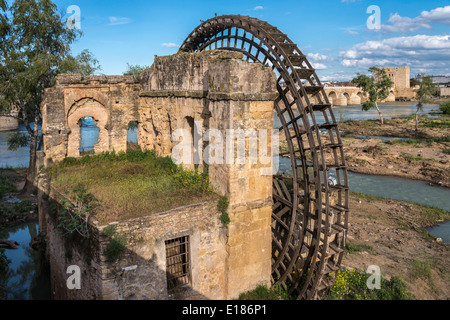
(28, 270)
(29, 275)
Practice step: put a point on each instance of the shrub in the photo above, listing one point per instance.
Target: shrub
(222, 206)
(115, 248)
(352, 285)
(445, 107)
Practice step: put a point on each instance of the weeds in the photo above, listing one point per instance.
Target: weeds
(352, 285)
(263, 292)
(133, 183)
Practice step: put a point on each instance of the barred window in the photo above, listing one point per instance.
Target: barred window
(178, 267)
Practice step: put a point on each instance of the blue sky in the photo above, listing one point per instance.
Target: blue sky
(333, 33)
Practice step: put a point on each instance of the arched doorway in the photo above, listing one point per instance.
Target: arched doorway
(87, 108)
(89, 133)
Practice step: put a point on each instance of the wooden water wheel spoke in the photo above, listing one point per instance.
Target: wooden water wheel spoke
(310, 217)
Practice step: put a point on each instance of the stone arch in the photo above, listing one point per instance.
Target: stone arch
(354, 99)
(87, 107)
(332, 96)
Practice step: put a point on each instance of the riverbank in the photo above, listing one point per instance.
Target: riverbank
(422, 155)
(15, 208)
(390, 234)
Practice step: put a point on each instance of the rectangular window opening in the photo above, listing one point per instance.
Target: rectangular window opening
(178, 264)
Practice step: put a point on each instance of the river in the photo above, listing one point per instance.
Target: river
(28, 275)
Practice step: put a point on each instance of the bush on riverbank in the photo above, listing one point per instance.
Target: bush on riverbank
(445, 107)
(351, 284)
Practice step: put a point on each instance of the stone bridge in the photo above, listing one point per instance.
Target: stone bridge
(343, 96)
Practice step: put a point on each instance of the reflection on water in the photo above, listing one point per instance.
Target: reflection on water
(16, 159)
(28, 276)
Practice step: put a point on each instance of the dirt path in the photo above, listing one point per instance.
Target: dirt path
(389, 234)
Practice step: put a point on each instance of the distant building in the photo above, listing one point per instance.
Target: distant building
(401, 90)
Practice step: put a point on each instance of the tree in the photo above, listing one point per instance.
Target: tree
(424, 95)
(34, 49)
(134, 70)
(377, 87)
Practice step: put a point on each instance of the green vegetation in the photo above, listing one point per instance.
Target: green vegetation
(365, 197)
(421, 269)
(377, 87)
(34, 48)
(424, 95)
(135, 70)
(12, 211)
(445, 107)
(6, 185)
(431, 214)
(75, 214)
(115, 248)
(356, 247)
(132, 184)
(436, 123)
(109, 231)
(418, 142)
(352, 285)
(262, 292)
(222, 206)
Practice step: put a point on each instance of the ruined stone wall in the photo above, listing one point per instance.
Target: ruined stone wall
(110, 100)
(225, 93)
(144, 252)
(196, 92)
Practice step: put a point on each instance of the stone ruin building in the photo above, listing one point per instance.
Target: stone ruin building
(287, 230)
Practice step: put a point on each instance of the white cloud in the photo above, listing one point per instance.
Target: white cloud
(318, 66)
(258, 8)
(419, 51)
(115, 21)
(170, 45)
(397, 23)
(351, 32)
(317, 57)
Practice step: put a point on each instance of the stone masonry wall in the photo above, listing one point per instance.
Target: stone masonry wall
(196, 92)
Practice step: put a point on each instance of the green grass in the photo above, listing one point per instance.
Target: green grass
(263, 292)
(6, 185)
(418, 142)
(430, 214)
(356, 247)
(441, 123)
(365, 197)
(132, 184)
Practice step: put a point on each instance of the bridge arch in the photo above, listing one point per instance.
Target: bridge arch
(332, 96)
(310, 211)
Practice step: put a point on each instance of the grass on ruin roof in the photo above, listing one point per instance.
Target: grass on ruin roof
(132, 184)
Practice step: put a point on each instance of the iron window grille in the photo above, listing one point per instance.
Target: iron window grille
(178, 266)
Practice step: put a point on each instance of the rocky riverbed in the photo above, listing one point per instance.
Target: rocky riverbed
(422, 155)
